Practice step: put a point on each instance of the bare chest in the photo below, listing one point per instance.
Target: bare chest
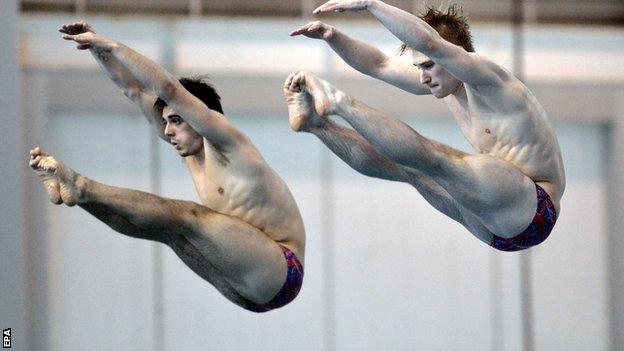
(478, 127)
(226, 183)
(505, 134)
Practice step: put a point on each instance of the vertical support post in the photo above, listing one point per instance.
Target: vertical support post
(195, 8)
(307, 6)
(328, 242)
(526, 288)
(14, 273)
(615, 203)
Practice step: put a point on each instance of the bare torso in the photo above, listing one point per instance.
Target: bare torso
(241, 184)
(509, 123)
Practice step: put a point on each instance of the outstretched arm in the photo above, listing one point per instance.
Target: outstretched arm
(366, 58)
(209, 123)
(470, 68)
(130, 86)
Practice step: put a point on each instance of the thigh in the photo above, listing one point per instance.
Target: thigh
(243, 255)
(495, 191)
(435, 194)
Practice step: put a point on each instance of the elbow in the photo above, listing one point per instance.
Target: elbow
(427, 42)
(167, 90)
(132, 93)
(427, 45)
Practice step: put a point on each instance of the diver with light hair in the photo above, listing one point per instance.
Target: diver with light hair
(507, 193)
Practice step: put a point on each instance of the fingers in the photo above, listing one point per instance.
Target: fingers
(300, 30)
(309, 28)
(81, 38)
(328, 7)
(315, 26)
(76, 28)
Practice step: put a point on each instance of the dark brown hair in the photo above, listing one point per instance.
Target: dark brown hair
(450, 24)
(201, 90)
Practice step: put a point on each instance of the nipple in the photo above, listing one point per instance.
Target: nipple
(487, 130)
(221, 191)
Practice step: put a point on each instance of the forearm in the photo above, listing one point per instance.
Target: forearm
(357, 54)
(410, 29)
(117, 72)
(145, 72)
(130, 85)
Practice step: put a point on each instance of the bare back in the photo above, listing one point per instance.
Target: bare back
(238, 182)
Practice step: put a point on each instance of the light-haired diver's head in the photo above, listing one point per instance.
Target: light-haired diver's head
(452, 27)
(450, 23)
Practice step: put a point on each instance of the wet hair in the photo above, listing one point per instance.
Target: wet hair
(201, 89)
(450, 24)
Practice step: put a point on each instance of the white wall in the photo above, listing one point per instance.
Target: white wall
(405, 275)
(383, 269)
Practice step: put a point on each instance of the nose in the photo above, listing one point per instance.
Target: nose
(424, 77)
(169, 130)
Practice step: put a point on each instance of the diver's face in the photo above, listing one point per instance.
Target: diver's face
(439, 81)
(181, 135)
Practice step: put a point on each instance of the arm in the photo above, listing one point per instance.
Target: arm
(470, 68)
(366, 58)
(212, 125)
(130, 86)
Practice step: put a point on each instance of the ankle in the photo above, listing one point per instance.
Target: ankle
(82, 186)
(342, 101)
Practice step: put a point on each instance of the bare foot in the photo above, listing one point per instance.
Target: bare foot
(301, 113)
(58, 179)
(325, 96)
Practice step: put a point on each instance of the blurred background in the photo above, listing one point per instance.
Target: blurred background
(384, 270)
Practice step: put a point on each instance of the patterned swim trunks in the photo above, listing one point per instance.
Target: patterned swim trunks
(543, 222)
(290, 289)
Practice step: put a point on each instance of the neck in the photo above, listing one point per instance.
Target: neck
(460, 93)
(196, 160)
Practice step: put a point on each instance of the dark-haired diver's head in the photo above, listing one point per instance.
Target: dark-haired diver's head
(181, 135)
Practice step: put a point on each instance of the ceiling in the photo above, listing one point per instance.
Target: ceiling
(591, 12)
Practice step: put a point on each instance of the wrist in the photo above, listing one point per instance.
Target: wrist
(332, 31)
(110, 44)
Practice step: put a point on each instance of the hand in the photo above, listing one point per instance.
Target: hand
(315, 30)
(80, 32)
(342, 5)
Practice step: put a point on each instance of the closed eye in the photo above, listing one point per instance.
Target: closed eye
(425, 65)
(175, 119)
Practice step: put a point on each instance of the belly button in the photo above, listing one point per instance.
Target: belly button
(221, 191)
(487, 130)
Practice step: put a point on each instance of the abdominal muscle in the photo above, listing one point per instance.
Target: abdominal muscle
(248, 189)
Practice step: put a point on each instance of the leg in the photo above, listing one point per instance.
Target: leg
(237, 258)
(359, 154)
(500, 196)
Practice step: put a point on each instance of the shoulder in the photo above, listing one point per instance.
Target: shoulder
(506, 91)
